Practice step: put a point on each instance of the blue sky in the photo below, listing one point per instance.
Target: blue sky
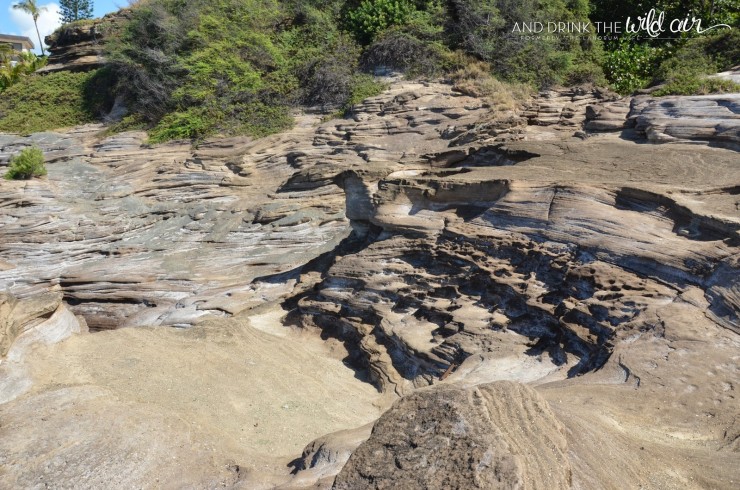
(21, 24)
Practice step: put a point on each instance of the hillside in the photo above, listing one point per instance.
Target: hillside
(232, 67)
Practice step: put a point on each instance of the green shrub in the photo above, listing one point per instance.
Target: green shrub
(374, 16)
(630, 65)
(483, 29)
(685, 73)
(179, 125)
(697, 85)
(416, 46)
(363, 87)
(199, 68)
(13, 71)
(27, 164)
(53, 101)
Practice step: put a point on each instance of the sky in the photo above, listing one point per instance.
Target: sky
(21, 24)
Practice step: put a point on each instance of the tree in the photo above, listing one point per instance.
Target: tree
(73, 10)
(30, 7)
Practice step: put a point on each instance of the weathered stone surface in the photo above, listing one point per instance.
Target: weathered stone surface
(564, 108)
(425, 245)
(499, 435)
(707, 118)
(135, 236)
(24, 324)
(79, 46)
(608, 116)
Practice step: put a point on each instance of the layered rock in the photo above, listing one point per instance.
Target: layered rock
(425, 244)
(709, 118)
(38, 320)
(143, 239)
(499, 435)
(78, 46)
(565, 108)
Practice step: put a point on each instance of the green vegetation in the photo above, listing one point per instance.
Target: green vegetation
(27, 164)
(679, 59)
(685, 73)
(193, 69)
(74, 10)
(198, 68)
(57, 100)
(13, 70)
(682, 65)
(630, 65)
(374, 16)
(34, 10)
(189, 69)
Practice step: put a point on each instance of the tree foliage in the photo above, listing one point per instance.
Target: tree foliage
(34, 10)
(15, 66)
(74, 10)
(194, 68)
(231, 66)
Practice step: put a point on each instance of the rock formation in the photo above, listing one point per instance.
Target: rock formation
(498, 435)
(78, 46)
(473, 270)
(713, 119)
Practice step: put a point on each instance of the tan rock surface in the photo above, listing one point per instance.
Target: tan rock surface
(417, 243)
(497, 435)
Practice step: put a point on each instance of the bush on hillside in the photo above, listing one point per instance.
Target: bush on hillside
(372, 17)
(27, 164)
(231, 66)
(15, 70)
(401, 51)
(630, 65)
(57, 100)
(685, 73)
(483, 29)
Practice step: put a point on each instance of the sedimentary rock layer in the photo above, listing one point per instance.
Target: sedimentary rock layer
(434, 249)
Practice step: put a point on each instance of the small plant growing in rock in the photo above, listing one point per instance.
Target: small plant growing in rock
(27, 164)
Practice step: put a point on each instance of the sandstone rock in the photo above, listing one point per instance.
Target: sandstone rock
(608, 116)
(165, 236)
(707, 118)
(424, 247)
(564, 108)
(323, 458)
(37, 320)
(79, 46)
(732, 74)
(500, 435)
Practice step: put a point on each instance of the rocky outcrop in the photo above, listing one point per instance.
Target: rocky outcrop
(419, 251)
(565, 108)
(234, 210)
(499, 435)
(608, 116)
(78, 46)
(37, 320)
(708, 118)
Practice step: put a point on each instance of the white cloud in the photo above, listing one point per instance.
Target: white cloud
(48, 20)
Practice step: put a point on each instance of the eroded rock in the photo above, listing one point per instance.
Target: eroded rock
(499, 435)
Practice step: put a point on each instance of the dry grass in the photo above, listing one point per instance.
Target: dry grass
(475, 79)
